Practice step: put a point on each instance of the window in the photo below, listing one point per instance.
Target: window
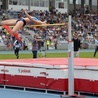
(10, 2)
(71, 1)
(61, 5)
(47, 3)
(18, 2)
(23, 2)
(58, 0)
(77, 1)
(61, 0)
(15, 2)
(44, 3)
(36, 2)
(32, 2)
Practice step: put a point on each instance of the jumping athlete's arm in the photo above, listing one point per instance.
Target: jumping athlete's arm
(36, 21)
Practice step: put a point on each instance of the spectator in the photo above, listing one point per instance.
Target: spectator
(35, 45)
(48, 43)
(55, 42)
(24, 45)
(76, 42)
(96, 48)
(17, 46)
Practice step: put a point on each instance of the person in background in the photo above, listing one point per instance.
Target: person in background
(35, 45)
(96, 45)
(17, 46)
(77, 44)
(25, 47)
(55, 42)
(48, 43)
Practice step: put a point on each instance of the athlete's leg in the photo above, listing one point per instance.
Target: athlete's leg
(8, 28)
(15, 29)
(10, 22)
(18, 26)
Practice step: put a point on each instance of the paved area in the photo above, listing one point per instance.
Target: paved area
(8, 93)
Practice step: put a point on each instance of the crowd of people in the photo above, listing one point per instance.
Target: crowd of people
(85, 24)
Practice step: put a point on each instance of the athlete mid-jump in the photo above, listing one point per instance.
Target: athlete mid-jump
(20, 23)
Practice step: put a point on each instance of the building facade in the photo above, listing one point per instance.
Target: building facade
(29, 4)
(94, 2)
(0, 4)
(61, 5)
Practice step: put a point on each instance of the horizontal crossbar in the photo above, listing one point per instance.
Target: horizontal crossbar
(45, 25)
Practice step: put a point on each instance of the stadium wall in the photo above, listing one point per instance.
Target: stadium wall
(71, 7)
(18, 7)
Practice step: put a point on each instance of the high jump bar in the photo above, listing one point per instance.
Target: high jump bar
(45, 25)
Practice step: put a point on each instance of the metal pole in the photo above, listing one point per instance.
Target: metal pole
(90, 3)
(29, 5)
(70, 61)
(5, 4)
(68, 4)
(74, 2)
(82, 6)
(97, 7)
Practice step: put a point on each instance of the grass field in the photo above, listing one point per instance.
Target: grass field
(48, 55)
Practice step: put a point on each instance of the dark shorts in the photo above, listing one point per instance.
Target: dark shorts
(24, 22)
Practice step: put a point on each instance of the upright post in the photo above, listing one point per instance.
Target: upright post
(29, 5)
(5, 4)
(70, 60)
